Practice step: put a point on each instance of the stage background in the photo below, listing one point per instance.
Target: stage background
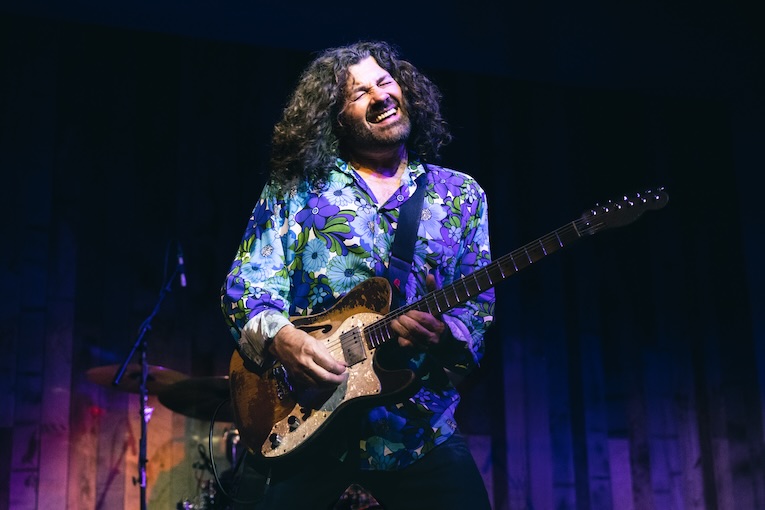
(627, 372)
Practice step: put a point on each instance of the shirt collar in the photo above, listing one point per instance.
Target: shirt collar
(414, 170)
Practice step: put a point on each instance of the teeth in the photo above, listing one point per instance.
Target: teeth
(384, 115)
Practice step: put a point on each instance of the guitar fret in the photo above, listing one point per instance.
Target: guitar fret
(569, 235)
(506, 267)
(477, 283)
(438, 307)
(497, 270)
(444, 300)
(480, 282)
(429, 304)
(560, 243)
(512, 259)
(458, 291)
(429, 308)
(466, 281)
(463, 280)
(544, 252)
(456, 294)
(425, 306)
(548, 245)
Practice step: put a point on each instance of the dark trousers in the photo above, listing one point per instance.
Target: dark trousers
(445, 478)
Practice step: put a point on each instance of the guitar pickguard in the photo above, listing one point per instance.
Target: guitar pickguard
(312, 411)
(274, 421)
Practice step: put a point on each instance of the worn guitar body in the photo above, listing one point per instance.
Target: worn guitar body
(273, 420)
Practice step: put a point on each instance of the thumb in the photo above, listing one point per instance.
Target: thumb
(430, 282)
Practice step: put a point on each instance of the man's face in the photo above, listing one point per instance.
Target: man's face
(374, 116)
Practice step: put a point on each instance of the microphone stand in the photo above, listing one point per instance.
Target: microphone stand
(144, 411)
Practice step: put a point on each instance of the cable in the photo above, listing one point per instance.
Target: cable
(214, 466)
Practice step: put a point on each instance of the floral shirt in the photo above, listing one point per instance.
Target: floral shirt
(304, 249)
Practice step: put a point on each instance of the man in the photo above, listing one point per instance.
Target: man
(354, 137)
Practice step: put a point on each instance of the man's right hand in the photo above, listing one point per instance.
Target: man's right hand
(306, 359)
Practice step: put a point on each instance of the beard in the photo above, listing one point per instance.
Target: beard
(358, 135)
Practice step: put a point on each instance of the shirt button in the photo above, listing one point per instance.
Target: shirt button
(400, 198)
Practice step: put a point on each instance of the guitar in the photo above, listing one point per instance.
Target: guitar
(276, 423)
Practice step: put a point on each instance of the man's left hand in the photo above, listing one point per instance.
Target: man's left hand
(420, 330)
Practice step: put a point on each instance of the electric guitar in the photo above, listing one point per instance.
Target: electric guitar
(276, 422)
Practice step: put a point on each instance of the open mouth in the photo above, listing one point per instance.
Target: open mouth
(387, 113)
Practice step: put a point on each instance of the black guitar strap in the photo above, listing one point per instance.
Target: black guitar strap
(402, 249)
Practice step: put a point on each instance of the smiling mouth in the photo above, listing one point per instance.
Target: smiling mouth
(376, 119)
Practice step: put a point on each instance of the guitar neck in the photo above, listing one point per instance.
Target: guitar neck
(482, 279)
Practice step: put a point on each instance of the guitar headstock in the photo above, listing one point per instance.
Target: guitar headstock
(617, 213)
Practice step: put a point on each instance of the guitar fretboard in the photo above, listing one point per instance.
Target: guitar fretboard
(480, 280)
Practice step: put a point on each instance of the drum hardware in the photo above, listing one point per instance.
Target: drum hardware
(143, 376)
(203, 398)
(157, 380)
(208, 398)
(205, 500)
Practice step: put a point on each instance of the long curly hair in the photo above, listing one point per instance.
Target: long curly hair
(305, 143)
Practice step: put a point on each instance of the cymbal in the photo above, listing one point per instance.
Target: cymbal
(200, 397)
(157, 377)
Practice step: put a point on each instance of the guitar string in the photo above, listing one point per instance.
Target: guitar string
(586, 225)
(430, 301)
(590, 223)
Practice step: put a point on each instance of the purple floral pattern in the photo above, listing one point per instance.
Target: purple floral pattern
(302, 250)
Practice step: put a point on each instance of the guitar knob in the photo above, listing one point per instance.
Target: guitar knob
(294, 423)
(275, 439)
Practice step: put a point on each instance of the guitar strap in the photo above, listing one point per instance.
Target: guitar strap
(402, 249)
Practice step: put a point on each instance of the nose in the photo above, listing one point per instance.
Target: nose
(379, 94)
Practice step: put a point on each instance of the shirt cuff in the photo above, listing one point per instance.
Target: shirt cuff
(459, 330)
(258, 331)
(455, 351)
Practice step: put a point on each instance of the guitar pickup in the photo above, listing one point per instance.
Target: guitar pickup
(353, 346)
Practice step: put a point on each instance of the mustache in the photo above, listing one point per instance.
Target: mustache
(385, 105)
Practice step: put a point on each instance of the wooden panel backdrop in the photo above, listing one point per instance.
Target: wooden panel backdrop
(626, 373)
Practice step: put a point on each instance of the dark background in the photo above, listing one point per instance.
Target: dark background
(626, 372)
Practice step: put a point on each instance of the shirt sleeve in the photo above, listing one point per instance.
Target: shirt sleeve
(256, 332)
(463, 350)
(254, 296)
